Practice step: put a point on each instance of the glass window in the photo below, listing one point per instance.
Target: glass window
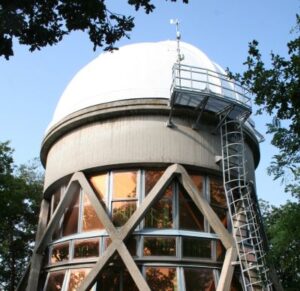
(222, 214)
(124, 185)
(159, 246)
(109, 279)
(122, 211)
(55, 281)
(217, 194)
(220, 251)
(131, 245)
(115, 277)
(99, 183)
(190, 217)
(199, 279)
(124, 201)
(151, 178)
(198, 181)
(127, 282)
(86, 248)
(90, 218)
(160, 215)
(161, 278)
(107, 242)
(76, 277)
(196, 247)
(70, 223)
(60, 253)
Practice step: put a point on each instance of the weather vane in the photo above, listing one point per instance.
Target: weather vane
(180, 56)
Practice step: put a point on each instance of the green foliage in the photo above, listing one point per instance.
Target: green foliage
(20, 196)
(277, 93)
(39, 23)
(283, 229)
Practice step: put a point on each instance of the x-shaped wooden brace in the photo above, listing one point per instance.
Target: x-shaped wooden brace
(119, 235)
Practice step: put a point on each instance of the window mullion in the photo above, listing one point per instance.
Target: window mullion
(206, 189)
(66, 280)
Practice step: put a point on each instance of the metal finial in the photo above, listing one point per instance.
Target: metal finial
(180, 57)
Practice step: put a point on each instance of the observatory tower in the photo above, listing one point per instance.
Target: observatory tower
(149, 182)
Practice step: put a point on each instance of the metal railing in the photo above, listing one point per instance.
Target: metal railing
(196, 79)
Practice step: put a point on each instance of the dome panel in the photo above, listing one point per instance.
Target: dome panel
(134, 71)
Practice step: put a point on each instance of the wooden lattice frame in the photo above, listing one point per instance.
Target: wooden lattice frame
(119, 235)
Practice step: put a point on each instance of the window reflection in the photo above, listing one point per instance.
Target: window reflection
(86, 248)
(190, 217)
(122, 211)
(217, 194)
(161, 214)
(55, 281)
(99, 183)
(159, 246)
(198, 181)
(109, 279)
(220, 251)
(196, 247)
(218, 200)
(222, 214)
(124, 185)
(199, 279)
(124, 201)
(70, 223)
(90, 218)
(60, 253)
(151, 178)
(107, 242)
(161, 278)
(115, 278)
(131, 245)
(76, 277)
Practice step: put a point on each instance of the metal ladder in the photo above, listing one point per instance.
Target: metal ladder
(243, 210)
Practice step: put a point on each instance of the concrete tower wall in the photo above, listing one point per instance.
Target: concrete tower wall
(141, 138)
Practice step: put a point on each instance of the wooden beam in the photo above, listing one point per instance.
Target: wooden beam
(36, 260)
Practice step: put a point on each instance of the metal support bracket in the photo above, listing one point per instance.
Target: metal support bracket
(226, 112)
(169, 122)
(201, 106)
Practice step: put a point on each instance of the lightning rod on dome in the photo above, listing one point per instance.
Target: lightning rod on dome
(180, 56)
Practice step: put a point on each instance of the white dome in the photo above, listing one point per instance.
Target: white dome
(142, 70)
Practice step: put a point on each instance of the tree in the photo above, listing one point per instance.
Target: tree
(39, 23)
(283, 230)
(277, 92)
(20, 195)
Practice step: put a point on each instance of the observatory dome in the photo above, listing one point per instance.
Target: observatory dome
(142, 70)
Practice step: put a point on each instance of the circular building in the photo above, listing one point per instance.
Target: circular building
(149, 181)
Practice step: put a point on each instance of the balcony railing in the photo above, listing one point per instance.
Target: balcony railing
(196, 81)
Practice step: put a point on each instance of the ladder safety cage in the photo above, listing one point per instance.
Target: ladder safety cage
(243, 209)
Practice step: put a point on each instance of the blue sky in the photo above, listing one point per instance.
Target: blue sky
(31, 83)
